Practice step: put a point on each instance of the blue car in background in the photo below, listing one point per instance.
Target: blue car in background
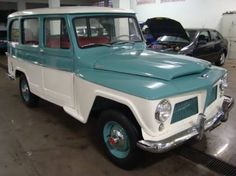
(3, 41)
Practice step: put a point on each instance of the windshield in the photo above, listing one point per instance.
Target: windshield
(106, 30)
(191, 34)
(175, 39)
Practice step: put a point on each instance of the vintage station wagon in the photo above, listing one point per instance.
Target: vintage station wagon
(144, 99)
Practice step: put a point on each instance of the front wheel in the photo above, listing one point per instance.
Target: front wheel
(221, 60)
(28, 98)
(119, 136)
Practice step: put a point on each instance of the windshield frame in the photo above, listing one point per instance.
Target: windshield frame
(195, 31)
(87, 17)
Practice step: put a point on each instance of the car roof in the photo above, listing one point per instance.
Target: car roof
(69, 10)
(200, 29)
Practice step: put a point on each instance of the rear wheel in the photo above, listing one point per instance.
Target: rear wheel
(28, 98)
(119, 136)
(221, 60)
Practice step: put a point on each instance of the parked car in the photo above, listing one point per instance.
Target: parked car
(206, 44)
(168, 35)
(144, 99)
(3, 41)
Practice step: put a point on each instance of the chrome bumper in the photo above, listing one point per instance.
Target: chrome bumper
(178, 139)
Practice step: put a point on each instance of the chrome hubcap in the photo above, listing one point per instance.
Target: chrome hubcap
(25, 90)
(116, 139)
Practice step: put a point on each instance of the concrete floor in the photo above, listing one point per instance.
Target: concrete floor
(45, 141)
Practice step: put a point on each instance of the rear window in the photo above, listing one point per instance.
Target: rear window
(216, 36)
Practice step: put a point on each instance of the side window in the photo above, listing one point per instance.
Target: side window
(14, 31)
(30, 31)
(215, 36)
(56, 33)
(219, 36)
(204, 35)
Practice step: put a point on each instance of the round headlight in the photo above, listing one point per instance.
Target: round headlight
(163, 111)
(224, 82)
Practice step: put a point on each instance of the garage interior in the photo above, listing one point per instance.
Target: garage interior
(45, 141)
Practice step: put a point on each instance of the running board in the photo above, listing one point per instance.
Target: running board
(72, 112)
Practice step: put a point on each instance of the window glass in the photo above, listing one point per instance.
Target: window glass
(96, 28)
(204, 35)
(14, 31)
(30, 31)
(192, 34)
(56, 34)
(219, 36)
(81, 27)
(103, 30)
(215, 36)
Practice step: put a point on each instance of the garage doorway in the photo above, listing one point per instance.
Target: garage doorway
(229, 32)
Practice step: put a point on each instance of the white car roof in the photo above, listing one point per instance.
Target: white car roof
(69, 10)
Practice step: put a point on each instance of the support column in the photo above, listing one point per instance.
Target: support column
(106, 3)
(123, 4)
(54, 3)
(21, 5)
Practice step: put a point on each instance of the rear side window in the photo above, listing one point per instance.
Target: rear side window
(14, 31)
(56, 33)
(216, 36)
(30, 33)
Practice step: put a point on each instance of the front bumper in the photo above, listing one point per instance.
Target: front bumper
(178, 139)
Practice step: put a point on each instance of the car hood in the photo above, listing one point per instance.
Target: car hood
(151, 64)
(166, 26)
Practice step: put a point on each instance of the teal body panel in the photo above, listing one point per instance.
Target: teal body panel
(151, 88)
(150, 64)
(129, 68)
(56, 58)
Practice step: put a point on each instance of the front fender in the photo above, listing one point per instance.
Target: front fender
(142, 109)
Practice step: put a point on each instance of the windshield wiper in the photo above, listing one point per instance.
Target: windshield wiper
(96, 44)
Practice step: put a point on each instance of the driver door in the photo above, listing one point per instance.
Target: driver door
(205, 47)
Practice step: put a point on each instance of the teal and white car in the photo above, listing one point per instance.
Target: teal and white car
(144, 99)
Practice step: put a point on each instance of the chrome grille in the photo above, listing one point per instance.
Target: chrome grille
(185, 109)
(211, 95)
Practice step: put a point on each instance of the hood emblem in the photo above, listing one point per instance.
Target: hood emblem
(205, 76)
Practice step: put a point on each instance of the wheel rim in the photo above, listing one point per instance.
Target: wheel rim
(116, 139)
(25, 90)
(222, 58)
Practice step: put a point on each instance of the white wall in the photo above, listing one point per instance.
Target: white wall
(123, 4)
(190, 13)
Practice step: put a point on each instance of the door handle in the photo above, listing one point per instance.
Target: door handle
(41, 51)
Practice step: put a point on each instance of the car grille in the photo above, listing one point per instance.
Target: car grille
(185, 109)
(211, 96)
